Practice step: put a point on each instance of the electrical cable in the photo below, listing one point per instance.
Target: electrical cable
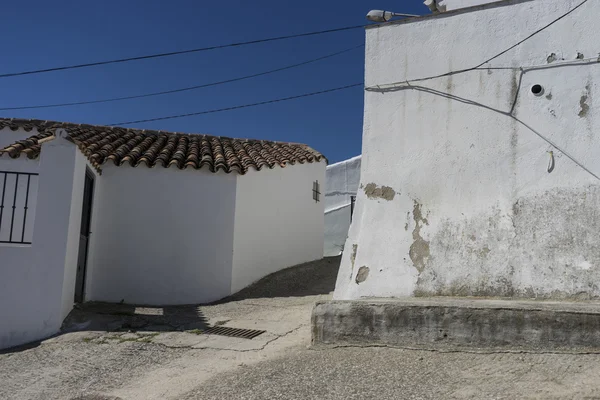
(533, 34)
(237, 107)
(185, 88)
(460, 71)
(173, 53)
(386, 87)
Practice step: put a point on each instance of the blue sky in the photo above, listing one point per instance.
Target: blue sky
(42, 34)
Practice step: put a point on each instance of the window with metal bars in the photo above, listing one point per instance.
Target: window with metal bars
(316, 192)
(18, 195)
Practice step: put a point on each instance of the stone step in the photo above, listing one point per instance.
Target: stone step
(443, 322)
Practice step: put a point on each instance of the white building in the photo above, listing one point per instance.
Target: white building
(113, 214)
(342, 181)
(449, 5)
(483, 181)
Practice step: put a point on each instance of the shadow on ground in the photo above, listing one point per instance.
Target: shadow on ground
(310, 279)
(124, 317)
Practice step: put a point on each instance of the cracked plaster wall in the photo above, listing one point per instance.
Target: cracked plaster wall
(475, 209)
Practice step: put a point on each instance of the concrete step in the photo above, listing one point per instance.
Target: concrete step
(443, 322)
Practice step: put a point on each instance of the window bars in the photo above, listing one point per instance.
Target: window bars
(316, 192)
(15, 200)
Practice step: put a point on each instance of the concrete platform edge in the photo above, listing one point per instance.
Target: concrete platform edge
(442, 323)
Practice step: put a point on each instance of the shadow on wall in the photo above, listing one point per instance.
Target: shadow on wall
(309, 279)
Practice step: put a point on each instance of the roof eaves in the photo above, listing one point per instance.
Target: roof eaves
(181, 150)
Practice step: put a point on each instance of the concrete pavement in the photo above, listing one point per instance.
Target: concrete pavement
(119, 352)
(155, 353)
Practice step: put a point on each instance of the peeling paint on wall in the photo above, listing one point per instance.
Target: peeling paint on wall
(505, 218)
(383, 192)
(539, 249)
(362, 275)
(419, 250)
(583, 102)
(585, 108)
(353, 259)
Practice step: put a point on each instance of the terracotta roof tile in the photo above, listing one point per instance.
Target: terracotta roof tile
(101, 144)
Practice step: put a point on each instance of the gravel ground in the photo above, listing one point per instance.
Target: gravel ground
(70, 369)
(385, 373)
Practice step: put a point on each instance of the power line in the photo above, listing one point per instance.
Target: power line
(173, 53)
(533, 34)
(460, 71)
(238, 107)
(184, 89)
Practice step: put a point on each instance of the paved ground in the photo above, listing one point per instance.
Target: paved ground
(123, 352)
(120, 351)
(383, 373)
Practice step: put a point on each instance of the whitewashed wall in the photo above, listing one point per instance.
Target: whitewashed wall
(162, 236)
(277, 222)
(34, 279)
(456, 197)
(449, 5)
(159, 236)
(342, 181)
(18, 275)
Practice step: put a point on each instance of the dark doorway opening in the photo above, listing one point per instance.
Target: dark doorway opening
(84, 236)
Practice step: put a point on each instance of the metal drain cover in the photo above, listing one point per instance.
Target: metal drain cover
(233, 332)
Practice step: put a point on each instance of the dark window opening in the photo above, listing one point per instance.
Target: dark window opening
(316, 192)
(15, 202)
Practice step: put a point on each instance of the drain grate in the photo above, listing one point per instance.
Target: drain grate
(233, 332)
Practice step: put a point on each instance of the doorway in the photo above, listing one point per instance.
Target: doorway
(84, 236)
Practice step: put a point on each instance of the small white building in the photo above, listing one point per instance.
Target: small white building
(92, 213)
(481, 143)
(342, 181)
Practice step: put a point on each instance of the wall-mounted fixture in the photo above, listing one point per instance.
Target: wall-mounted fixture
(537, 90)
(385, 16)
